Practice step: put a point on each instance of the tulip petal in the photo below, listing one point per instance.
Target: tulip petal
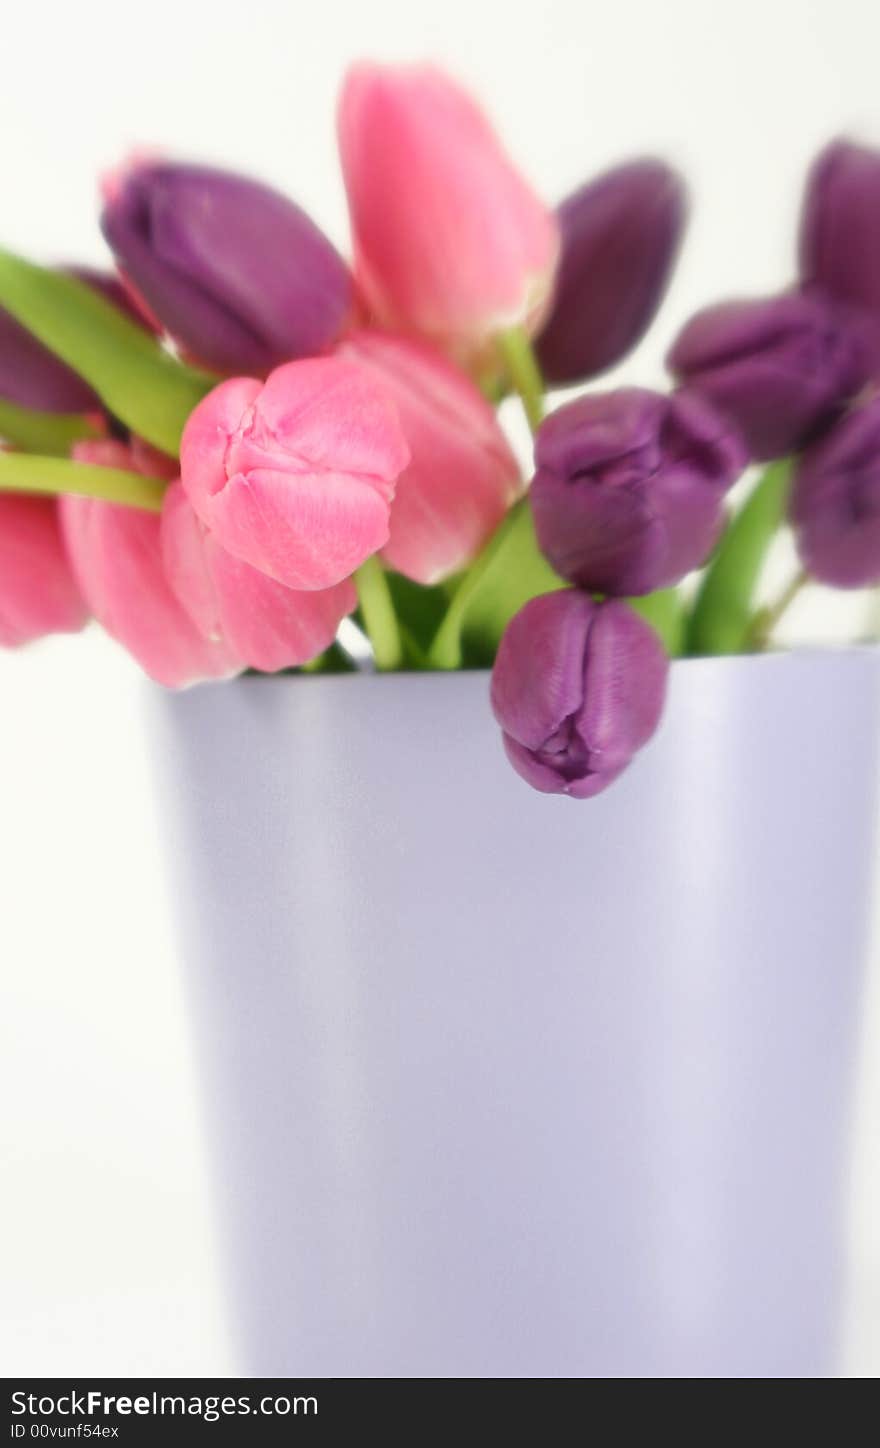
(625, 687)
(780, 368)
(835, 502)
(620, 238)
(238, 273)
(265, 624)
(268, 625)
(117, 559)
(462, 476)
(840, 232)
(38, 593)
(449, 239)
(538, 679)
(296, 477)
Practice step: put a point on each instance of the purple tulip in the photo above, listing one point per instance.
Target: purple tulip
(236, 272)
(781, 368)
(835, 502)
(577, 688)
(32, 376)
(107, 285)
(620, 238)
(628, 493)
(840, 231)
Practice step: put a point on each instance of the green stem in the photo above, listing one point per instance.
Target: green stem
(722, 612)
(445, 651)
(765, 620)
(524, 373)
(380, 619)
(28, 473)
(44, 432)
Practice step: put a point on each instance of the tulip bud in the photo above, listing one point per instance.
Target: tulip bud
(620, 238)
(449, 239)
(835, 502)
(840, 231)
(236, 272)
(780, 368)
(266, 625)
(628, 492)
(578, 687)
(117, 559)
(38, 594)
(114, 291)
(32, 376)
(296, 475)
(462, 476)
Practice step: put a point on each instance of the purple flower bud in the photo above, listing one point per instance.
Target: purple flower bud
(32, 376)
(628, 493)
(781, 368)
(108, 285)
(840, 230)
(577, 688)
(236, 272)
(620, 238)
(835, 502)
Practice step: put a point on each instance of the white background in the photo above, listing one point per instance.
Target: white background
(108, 1259)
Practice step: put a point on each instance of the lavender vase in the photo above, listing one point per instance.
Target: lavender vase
(504, 1085)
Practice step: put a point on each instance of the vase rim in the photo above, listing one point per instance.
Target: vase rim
(780, 658)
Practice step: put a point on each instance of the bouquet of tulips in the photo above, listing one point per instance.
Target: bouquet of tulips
(236, 451)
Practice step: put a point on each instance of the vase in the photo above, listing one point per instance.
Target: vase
(502, 1084)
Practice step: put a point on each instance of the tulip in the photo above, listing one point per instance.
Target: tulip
(835, 502)
(620, 239)
(628, 492)
(577, 688)
(781, 368)
(296, 475)
(117, 559)
(236, 272)
(266, 625)
(38, 594)
(840, 231)
(32, 376)
(462, 476)
(449, 239)
(114, 291)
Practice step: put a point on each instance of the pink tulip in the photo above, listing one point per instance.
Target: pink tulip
(117, 559)
(296, 475)
(462, 476)
(38, 594)
(264, 623)
(449, 239)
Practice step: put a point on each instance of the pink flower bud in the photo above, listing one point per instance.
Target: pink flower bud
(449, 239)
(296, 475)
(462, 476)
(117, 560)
(265, 624)
(38, 594)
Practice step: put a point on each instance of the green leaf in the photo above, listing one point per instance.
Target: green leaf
(25, 473)
(508, 572)
(50, 433)
(135, 378)
(721, 617)
(665, 612)
(419, 609)
(332, 661)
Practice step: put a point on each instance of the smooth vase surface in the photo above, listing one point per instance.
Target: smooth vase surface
(504, 1084)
